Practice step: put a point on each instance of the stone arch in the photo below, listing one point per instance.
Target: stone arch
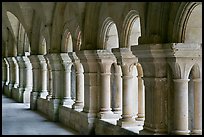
(196, 71)
(181, 19)
(108, 35)
(131, 19)
(43, 46)
(90, 31)
(67, 44)
(193, 29)
(78, 36)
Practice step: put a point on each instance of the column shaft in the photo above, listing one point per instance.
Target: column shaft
(141, 100)
(197, 106)
(181, 106)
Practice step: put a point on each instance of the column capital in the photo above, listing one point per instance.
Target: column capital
(124, 56)
(55, 61)
(74, 58)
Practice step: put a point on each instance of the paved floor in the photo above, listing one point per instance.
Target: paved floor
(18, 119)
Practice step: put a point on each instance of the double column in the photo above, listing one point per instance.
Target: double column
(79, 102)
(105, 60)
(40, 75)
(127, 61)
(11, 75)
(185, 55)
(67, 64)
(4, 73)
(57, 79)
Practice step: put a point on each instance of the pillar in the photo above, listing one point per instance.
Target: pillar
(141, 100)
(117, 95)
(197, 130)
(127, 60)
(11, 75)
(4, 73)
(67, 64)
(44, 74)
(181, 107)
(22, 84)
(79, 102)
(49, 79)
(57, 84)
(28, 79)
(16, 85)
(105, 92)
(36, 81)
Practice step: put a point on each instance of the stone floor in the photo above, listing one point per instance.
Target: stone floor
(18, 119)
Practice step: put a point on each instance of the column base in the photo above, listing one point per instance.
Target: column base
(43, 94)
(68, 102)
(16, 85)
(78, 106)
(140, 118)
(48, 97)
(108, 115)
(130, 122)
(117, 111)
(179, 132)
(196, 132)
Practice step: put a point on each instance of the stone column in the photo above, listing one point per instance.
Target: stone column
(181, 57)
(197, 107)
(28, 77)
(181, 107)
(43, 78)
(4, 73)
(57, 88)
(16, 85)
(49, 79)
(36, 81)
(105, 93)
(88, 59)
(127, 60)
(67, 64)
(117, 96)
(141, 100)
(79, 102)
(22, 84)
(7, 77)
(11, 75)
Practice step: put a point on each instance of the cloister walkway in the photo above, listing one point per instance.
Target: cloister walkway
(18, 119)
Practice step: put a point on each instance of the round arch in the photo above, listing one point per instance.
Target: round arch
(131, 29)
(67, 44)
(109, 35)
(181, 19)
